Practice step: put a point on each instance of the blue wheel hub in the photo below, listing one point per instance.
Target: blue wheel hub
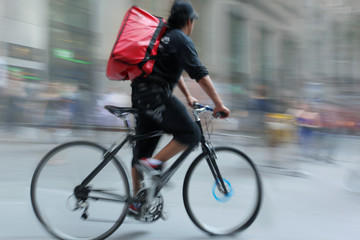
(220, 195)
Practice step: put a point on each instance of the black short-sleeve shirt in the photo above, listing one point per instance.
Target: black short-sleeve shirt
(176, 54)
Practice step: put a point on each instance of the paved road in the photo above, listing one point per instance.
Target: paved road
(303, 199)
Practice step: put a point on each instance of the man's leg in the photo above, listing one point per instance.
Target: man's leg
(136, 180)
(170, 150)
(144, 149)
(177, 121)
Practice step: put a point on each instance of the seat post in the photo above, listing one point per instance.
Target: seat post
(127, 123)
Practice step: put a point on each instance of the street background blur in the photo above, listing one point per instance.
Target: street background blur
(264, 56)
(287, 69)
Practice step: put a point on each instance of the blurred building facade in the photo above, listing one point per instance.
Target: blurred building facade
(303, 49)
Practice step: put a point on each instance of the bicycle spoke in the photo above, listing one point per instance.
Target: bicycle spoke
(70, 211)
(223, 205)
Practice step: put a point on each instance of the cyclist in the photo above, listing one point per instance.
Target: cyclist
(158, 108)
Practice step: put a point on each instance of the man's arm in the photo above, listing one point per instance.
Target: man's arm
(207, 85)
(185, 90)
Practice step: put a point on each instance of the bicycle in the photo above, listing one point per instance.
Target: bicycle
(80, 190)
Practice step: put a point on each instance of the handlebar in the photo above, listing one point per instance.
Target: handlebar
(199, 108)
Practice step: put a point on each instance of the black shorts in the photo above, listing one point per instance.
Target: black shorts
(161, 110)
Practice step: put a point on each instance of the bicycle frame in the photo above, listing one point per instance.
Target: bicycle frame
(103, 192)
(82, 191)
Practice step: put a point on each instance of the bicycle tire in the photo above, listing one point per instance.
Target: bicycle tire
(214, 212)
(52, 187)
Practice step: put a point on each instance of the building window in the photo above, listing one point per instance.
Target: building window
(266, 57)
(238, 45)
(238, 60)
(70, 41)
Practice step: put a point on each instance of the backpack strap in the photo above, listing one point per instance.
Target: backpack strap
(149, 49)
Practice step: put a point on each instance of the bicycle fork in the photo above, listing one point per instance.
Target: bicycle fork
(211, 157)
(211, 161)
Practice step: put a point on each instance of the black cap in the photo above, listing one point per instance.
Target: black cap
(182, 8)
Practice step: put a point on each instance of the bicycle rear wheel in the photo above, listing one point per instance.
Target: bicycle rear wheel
(103, 207)
(213, 211)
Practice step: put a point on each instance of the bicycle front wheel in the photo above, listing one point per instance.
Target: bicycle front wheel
(214, 211)
(102, 207)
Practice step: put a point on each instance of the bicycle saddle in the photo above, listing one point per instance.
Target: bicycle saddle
(120, 111)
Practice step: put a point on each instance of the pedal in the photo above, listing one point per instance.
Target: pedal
(163, 216)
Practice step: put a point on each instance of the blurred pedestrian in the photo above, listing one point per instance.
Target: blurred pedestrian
(327, 134)
(308, 120)
(258, 106)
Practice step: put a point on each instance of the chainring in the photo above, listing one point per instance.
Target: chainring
(149, 212)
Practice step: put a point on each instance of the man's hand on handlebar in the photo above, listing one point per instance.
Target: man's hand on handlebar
(221, 111)
(191, 101)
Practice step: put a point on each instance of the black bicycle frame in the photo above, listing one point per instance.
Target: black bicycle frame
(211, 160)
(110, 154)
(166, 176)
(107, 157)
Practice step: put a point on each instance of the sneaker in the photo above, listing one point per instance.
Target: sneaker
(134, 208)
(152, 169)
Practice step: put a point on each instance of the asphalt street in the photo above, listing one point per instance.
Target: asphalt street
(304, 199)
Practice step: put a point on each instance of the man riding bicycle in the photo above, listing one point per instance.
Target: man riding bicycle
(153, 96)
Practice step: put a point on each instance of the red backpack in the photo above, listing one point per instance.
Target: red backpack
(136, 46)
